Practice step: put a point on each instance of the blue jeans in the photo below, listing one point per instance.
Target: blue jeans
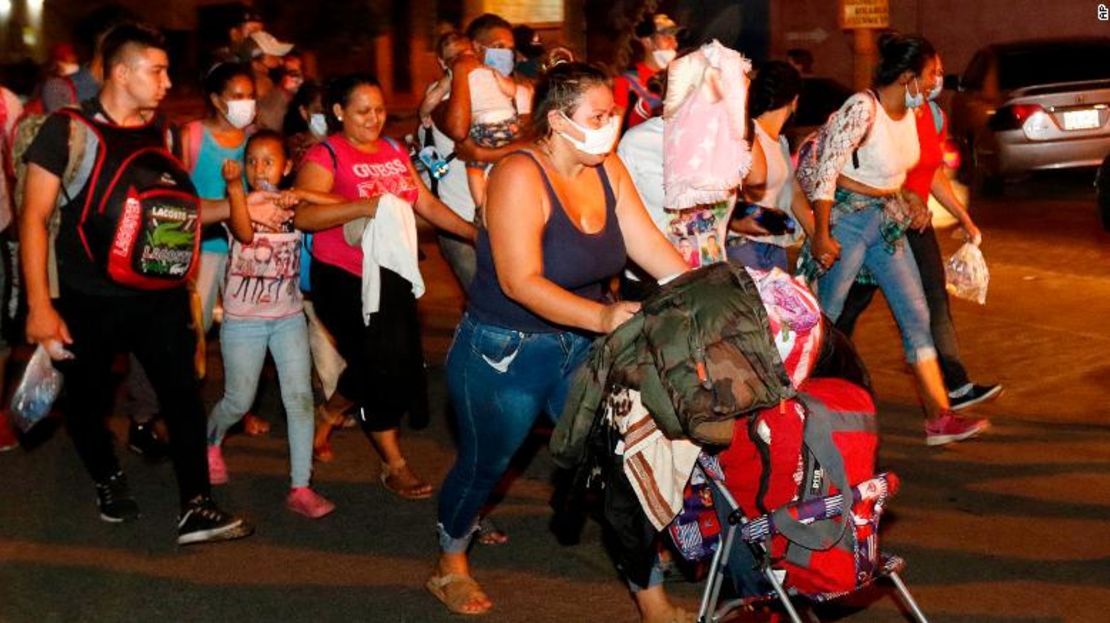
(499, 380)
(758, 255)
(861, 244)
(243, 343)
(930, 265)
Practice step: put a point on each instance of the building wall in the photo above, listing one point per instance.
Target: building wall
(956, 27)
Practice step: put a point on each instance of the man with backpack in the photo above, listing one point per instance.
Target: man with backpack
(126, 242)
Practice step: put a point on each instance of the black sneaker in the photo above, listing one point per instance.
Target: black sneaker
(143, 440)
(973, 395)
(203, 522)
(114, 500)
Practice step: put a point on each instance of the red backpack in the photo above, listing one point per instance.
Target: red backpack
(140, 218)
(815, 445)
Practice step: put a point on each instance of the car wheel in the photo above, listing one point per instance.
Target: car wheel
(985, 182)
(1102, 187)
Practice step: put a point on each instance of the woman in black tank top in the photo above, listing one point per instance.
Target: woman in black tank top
(561, 218)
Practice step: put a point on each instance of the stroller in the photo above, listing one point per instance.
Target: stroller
(754, 534)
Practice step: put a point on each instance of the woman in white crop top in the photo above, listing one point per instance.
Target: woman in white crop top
(771, 193)
(855, 183)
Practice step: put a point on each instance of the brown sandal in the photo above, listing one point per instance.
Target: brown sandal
(403, 482)
(255, 426)
(490, 533)
(456, 591)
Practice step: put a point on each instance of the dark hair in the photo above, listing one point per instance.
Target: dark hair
(218, 77)
(775, 85)
(486, 22)
(645, 27)
(294, 123)
(446, 39)
(267, 135)
(125, 35)
(339, 92)
(900, 53)
(561, 88)
(524, 39)
(801, 57)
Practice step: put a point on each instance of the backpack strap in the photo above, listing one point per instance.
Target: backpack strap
(819, 536)
(764, 450)
(192, 139)
(938, 116)
(429, 141)
(334, 157)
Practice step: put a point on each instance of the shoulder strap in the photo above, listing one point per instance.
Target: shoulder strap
(331, 152)
(543, 174)
(938, 116)
(194, 137)
(84, 149)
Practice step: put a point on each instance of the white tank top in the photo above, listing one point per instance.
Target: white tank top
(779, 193)
(890, 150)
(487, 103)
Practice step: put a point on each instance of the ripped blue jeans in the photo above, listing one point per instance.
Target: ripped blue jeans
(500, 381)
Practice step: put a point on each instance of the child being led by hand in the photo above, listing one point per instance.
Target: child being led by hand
(263, 310)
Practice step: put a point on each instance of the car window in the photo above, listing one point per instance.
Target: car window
(976, 72)
(1060, 63)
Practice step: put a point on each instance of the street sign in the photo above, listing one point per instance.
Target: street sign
(860, 14)
(817, 35)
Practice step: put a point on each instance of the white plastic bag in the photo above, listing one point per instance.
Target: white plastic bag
(966, 274)
(36, 392)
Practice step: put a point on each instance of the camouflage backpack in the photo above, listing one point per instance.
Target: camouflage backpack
(82, 153)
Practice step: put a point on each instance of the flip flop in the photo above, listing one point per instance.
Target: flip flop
(456, 591)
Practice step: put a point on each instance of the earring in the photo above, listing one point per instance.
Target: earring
(339, 118)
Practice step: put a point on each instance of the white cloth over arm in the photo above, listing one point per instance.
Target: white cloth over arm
(389, 241)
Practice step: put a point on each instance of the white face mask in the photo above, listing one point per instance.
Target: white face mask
(597, 142)
(68, 69)
(663, 58)
(240, 113)
(318, 124)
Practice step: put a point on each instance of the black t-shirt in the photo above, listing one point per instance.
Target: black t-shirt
(50, 150)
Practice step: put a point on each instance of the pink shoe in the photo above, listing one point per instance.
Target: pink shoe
(217, 469)
(8, 440)
(950, 427)
(305, 501)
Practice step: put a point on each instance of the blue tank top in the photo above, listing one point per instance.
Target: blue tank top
(579, 262)
(208, 177)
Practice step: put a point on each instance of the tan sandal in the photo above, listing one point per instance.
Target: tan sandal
(456, 592)
(404, 483)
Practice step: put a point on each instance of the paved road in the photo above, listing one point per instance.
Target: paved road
(1011, 528)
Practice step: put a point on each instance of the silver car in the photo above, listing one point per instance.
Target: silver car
(1033, 105)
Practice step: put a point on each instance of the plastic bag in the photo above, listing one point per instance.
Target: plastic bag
(966, 274)
(36, 392)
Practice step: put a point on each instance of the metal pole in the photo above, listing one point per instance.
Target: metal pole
(908, 598)
(783, 597)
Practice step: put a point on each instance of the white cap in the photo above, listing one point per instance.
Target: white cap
(269, 44)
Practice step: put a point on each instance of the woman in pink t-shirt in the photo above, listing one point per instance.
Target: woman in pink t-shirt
(384, 377)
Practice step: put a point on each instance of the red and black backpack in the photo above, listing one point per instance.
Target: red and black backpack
(140, 214)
